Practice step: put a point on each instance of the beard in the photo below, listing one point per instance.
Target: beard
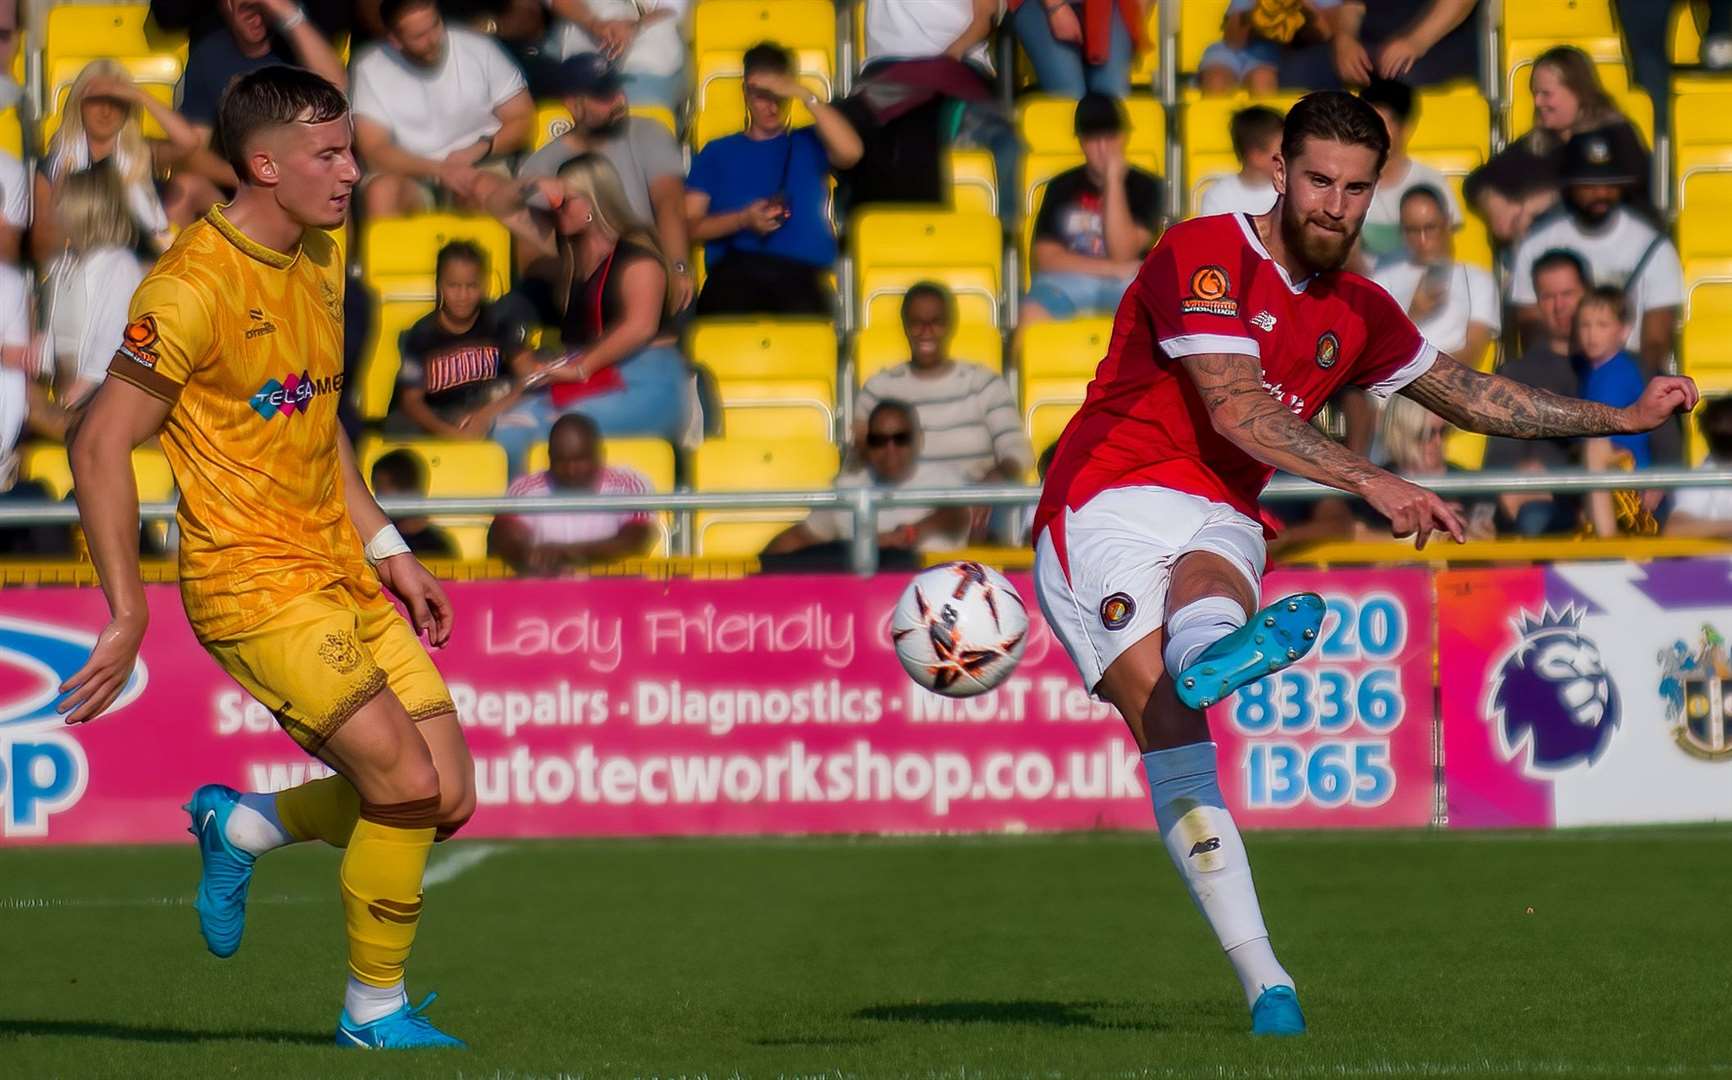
(613, 126)
(1319, 251)
(1591, 217)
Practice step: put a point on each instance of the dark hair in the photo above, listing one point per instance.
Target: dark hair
(1556, 257)
(932, 290)
(1336, 116)
(577, 422)
(1715, 422)
(895, 405)
(271, 97)
(1611, 297)
(459, 251)
(1426, 191)
(1044, 465)
(392, 10)
(403, 468)
(1395, 96)
(1252, 127)
(767, 56)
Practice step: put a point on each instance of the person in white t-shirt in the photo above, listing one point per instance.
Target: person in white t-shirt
(1256, 135)
(433, 106)
(550, 542)
(90, 286)
(1707, 511)
(645, 40)
(1456, 306)
(917, 29)
(1618, 245)
(14, 207)
(1380, 238)
(25, 410)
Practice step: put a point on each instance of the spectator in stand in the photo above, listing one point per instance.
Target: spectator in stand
(1256, 134)
(1096, 222)
(1254, 34)
(890, 447)
(1524, 179)
(651, 169)
(26, 409)
(1707, 511)
(1421, 42)
(646, 39)
(14, 208)
(548, 543)
(759, 200)
(1559, 282)
(11, 39)
(90, 286)
(201, 17)
(601, 278)
(1647, 28)
(967, 413)
(462, 362)
(1079, 46)
(436, 110)
(399, 472)
(1617, 243)
(1413, 439)
(1380, 237)
(1454, 305)
(253, 34)
(1611, 376)
(100, 126)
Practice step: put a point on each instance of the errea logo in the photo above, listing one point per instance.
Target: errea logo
(293, 394)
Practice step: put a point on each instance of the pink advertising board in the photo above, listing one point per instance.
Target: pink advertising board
(761, 706)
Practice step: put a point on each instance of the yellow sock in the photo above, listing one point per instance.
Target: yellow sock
(381, 879)
(324, 809)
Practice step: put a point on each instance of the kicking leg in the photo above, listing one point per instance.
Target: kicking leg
(444, 738)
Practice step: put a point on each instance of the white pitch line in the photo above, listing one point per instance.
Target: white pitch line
(49, 903)
(461, 860)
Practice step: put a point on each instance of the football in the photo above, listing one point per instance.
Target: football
(959, 629)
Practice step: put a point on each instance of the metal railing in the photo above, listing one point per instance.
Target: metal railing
(864, 503)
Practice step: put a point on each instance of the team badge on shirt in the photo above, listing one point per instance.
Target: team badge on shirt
(1116, 611)
(138, 343)
(1328, 349)
(1208, 294)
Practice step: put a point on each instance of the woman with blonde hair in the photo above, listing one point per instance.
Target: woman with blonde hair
(599, 275)
(91, 284)
(101, 125)
(1412, 438)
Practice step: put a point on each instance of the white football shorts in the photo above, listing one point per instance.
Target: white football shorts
(1109, 589)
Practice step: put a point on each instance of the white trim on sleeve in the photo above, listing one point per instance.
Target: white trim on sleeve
(1413, 369)
(1182, 345)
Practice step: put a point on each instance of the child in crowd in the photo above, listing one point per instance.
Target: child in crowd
(1611, 376)
(399, 472)
(1256, 134)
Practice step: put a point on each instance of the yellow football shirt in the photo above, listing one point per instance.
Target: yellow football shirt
(246, 346)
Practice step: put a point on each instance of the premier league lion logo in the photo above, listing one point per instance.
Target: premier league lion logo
(1552, 696)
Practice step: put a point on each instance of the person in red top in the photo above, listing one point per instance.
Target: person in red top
(1149, 542)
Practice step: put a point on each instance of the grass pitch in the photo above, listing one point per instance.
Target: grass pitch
(1597, 953)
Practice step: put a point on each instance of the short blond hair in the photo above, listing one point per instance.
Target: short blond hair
(93, 212)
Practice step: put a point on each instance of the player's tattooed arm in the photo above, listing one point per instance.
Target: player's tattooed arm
(1492, 405)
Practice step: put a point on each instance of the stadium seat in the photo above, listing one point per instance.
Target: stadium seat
(455, 470)
(973, 182)
(378, 375)
(551, 121)
(1707, 317)
(776, 378)
(1453, 134)
(75, 34)
(397, 254)
(1207, 143)
(1146, 69)
(1473, 240)
(893, 248)
(654, 458)
(1053, 368)
(11, 133)
(1199, 27)
(46, 464)
(1702, 156)
(733, 26)
(720, 106)
(1706, 351)
(883, 345)
(755, 465)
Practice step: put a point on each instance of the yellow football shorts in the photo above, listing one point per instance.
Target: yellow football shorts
(326, 654)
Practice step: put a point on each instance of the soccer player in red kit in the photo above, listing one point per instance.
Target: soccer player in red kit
(1149, 543)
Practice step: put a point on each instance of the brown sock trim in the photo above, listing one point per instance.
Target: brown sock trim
(416, 814)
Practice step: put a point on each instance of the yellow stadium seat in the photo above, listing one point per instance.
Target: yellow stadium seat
(736, 25)
(1706, 351)
(884, 345)
(777, 380)
(11, 133)
(973, 182)
(1686, 37)
(107, 30)
(1207, 142)
(893, 248)
(397, 254)
(384, 356)
(1054, 366)
(551, 121)
(1464, 449)
(755, 465)
(1453, 132)
(1563, 20)
(46, 464)
(1147, 67)
(1044, 428)
(720, 104)
(653, 458)
(455, 470)
(1703, 167)
(1473, 240)
(1199, 27)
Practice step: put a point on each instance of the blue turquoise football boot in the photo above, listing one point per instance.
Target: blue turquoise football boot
(405, 1029)
(1276, 637)
(1277, 1013)
(221, 902)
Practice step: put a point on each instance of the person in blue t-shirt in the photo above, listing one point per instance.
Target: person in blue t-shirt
(759, 200)
(1611, 376)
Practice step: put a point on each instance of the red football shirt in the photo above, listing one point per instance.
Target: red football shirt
(1210, 286)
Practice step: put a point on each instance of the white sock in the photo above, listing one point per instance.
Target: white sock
(1198, 625)
(365, 1003)
(1205, 846)
(254, 827)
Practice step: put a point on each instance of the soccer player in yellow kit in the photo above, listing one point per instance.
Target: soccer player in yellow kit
(234, 354)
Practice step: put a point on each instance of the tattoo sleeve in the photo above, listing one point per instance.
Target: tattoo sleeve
(1493, 405)
(1243, 412)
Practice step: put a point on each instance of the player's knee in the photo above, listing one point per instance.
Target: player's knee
(456, 807)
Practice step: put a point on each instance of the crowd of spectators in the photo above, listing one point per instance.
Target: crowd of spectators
(609, 221)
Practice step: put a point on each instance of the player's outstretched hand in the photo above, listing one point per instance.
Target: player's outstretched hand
(93, 687)
(1661, 398)
(429, 607)
(1412, 510)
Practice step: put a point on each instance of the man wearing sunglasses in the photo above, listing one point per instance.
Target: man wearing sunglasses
(890, 448)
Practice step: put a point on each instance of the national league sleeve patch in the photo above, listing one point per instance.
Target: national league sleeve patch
(1209, 293)
(138, 343)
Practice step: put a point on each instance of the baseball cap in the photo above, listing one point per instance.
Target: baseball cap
(588, 74)
(1588, 159)
(1099, 114)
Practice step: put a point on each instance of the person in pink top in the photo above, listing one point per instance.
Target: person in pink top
(548, 543)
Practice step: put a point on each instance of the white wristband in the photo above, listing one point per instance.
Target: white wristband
(292, 20)
(385, 543)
